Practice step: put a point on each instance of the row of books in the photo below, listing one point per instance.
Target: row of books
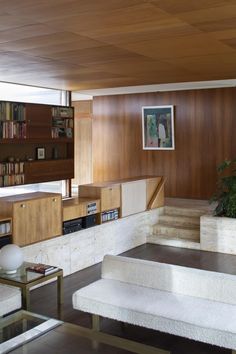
(61, 122)
(12, 111)
(63, 112)
(11, 180)
(5, 228)
(110, 215)
(62, 132)
(11, 168)
(12, 129)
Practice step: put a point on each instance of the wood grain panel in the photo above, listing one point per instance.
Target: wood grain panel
(83, 142)
(78, 45)
(205, 127)
(36, 216)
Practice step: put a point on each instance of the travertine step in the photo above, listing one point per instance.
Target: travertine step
(189, 212)
(179, 220)
(174, 242)
(183, 232)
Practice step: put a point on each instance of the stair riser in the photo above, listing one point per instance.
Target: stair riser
(183, 212)
(180, 233)
(174, 243)
(179, 220)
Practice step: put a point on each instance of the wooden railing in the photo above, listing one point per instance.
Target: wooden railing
(157, 199)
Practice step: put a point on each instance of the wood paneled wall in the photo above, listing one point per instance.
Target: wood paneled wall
(205, 134)
(83, 142)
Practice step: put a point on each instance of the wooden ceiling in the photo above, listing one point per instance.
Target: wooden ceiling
(86, 44)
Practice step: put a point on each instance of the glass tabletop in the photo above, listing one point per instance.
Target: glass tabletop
(21, 327)
(23, 275)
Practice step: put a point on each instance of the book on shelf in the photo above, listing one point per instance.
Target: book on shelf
(42, 269)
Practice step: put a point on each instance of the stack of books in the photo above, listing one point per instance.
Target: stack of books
(42, 269)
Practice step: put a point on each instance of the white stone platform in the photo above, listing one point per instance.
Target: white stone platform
(81, 249)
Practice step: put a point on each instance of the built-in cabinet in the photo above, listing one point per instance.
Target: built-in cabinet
(125, 197)
(37, 143)
(36, 216)
(39, 216)
(109, 195)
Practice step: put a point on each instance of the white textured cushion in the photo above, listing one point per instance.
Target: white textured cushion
(181, 280)
(10, 299)
(191, 317)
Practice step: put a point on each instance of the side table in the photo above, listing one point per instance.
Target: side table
(25, 280)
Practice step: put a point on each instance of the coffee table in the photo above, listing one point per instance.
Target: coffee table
(40, 334)
(22, 327)
(25, 280)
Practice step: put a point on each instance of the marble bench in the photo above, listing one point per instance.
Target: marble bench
(10, 299)
(187, 302)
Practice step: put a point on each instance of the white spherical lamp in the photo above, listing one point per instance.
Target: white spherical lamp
(11, 258)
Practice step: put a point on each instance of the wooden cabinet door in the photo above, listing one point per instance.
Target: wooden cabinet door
(110, 198)
(27, 227)
(37, 220)
(55, 214)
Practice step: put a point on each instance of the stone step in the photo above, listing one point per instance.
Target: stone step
(191, 212)
(174, 242)
(179, 220)
(188, 233)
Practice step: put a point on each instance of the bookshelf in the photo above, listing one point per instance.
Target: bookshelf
(109, 215)
(62, 122)
(5, 231)
(12, 120)
(27, 127)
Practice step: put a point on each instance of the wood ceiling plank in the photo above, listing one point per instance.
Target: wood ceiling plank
(187, 46)
(165, 31)
(230, 42)
(54, 51)
(54, 9)
(180, 6)
(124, 20)
(140, 66)
(28, 31)
(102, 54)
(212, 19)
(58, 39)
(8, 22)
(208, 64)
(225, 34)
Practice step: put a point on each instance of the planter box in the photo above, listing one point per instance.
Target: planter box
(218, 234)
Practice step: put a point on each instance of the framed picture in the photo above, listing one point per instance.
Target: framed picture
(40, 153)
(158, 128)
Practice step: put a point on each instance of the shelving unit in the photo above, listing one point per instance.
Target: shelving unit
(109, 215)
(5, 230)
(11, 173)
(12, 120)
(24, 127)
(62, 122)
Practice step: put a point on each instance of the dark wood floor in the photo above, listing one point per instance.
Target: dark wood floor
(43, 300)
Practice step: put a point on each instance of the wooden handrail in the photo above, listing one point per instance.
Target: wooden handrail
(157, 199)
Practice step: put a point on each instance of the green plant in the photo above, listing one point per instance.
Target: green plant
(225, 195)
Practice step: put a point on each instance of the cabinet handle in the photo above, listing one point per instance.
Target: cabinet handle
(54, 200)
(22, 205)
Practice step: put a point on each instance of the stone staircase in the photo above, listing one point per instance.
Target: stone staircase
(178, 227)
